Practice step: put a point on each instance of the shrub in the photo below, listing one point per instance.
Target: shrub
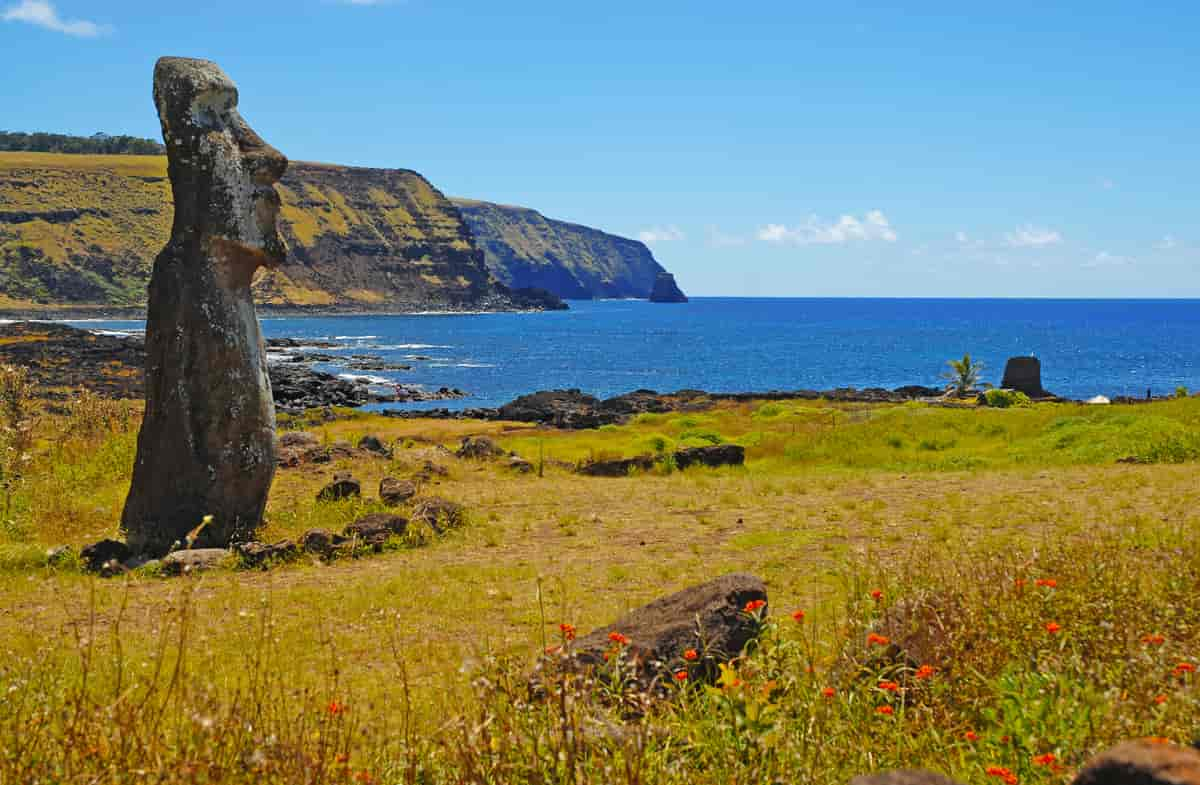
(1181, 391)
(1003, 399)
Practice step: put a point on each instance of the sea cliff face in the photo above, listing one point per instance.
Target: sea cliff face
(522, 247)
(82, 230)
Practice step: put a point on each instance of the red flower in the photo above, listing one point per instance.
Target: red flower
(1184, 667)
(889, 686)
(1019, 583)
(797, 616)
(553, 649)
(888, 710)
(364, 777)
(1003, 773)
(828, 692)
(971, 736)
(1160, 699)
(335, 708)
(568, 631)
(1049, 583)
(1157, 640)
(690, 655)
(754, 605)
(877, 594)
(924, 672)
(1053, 627)
(681, 675)
(618, 639)
(1044, 760)
(877, 640)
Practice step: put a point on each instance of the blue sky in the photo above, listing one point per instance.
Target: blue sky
(809, 149)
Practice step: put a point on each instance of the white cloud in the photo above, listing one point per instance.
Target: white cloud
(873, 226)
(1167, 243)
(1106, 259)
(661, 234)
(1029, 236)
(43, 14)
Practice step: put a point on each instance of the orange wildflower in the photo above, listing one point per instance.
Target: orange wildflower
(971, 736)
(681, 675)
(754, 605)
(1160, 699)
(1052, 627)
(1157, 640)
(888, 710)
(1049, 583)
(553, 649)
(364, 777)
(877, 594)
(618, 639)
(924, 672)
(889, 686)
(1019, 583)
(877, 640)
(690, 655)
(828, 692)
(335, 708)
(797, 616)
(568, 631)
(1003, 773)
(1044, 760)
(1184, 667)
(1158, 740)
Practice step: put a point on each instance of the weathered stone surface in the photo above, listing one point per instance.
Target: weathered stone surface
(376, 528)
(197, 560)
(439, 514)
(96, 555)
(618, 467)
(374, 445)
(259, 554)
(1143, 762)
(716, 455)
(478, 448)
(321, 542)
(207, 441)
(1024, 374)
(393, 491)
(343, 487)
(520, 465)
(903, 777)
(710, 618)
(59, 554)
(666, 290)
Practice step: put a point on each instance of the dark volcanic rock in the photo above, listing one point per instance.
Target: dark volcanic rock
(320, 542)
(96, 555)
(903, 777)
(478, 448)
(393, 491)
(374, 445)
(343, 487)
(1024, 374)
(617, 467)
(439, 514)
(258, 554)
(376, 528)
(716, 455)
(666, 290)
(710, 618)
(197, 560)
(207, 442)
(1143, 762)
(560, 408)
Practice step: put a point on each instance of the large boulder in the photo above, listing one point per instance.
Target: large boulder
(343, 487)
(710, 618)
(617, 467)
(98, 554)
(716, 455)
(478, 448)
(560, 408)
(207, 440)
(393, 491)
(376, 529)
(1143, 762)
(1024, 374)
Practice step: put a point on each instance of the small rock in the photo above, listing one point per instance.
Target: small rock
(620, 467)
(520, 465)
(1143, 762)
(342, 487)
(259, 554)
(716, 455)
(98, 554)
(439, 514)
(197, 560)
(59, 555)
(321, 542)
(478, 448)
(373, 444)
(903, 777)
(393, 491)
(375, 529)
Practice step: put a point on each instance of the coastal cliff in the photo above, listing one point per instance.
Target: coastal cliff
(81, 231)
(522, 247)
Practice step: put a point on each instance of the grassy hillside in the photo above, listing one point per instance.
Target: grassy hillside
(408, 666)
(84, 230)
(524, 248)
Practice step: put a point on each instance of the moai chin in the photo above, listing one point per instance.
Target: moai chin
(207, 443)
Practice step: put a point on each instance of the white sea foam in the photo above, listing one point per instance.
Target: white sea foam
(398, 346)
(358, 377)
(355, 337)
(474, 365)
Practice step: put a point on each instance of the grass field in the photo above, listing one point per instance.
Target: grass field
(995, 526)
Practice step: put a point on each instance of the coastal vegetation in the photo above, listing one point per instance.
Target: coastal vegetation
(1049, 553)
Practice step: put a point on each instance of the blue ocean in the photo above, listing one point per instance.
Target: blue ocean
(1087, 347)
